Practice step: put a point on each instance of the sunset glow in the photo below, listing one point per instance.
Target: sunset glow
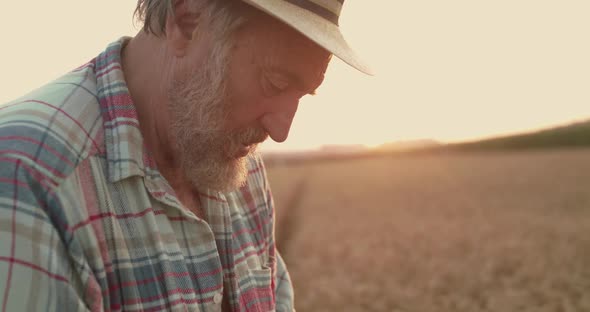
(450, 71)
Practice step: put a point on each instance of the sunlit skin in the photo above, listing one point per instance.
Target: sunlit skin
(267, 84)
(272, 67)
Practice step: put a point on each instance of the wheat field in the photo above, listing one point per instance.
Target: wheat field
(496, 231)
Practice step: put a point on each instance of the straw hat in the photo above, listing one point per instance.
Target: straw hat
(318, 21)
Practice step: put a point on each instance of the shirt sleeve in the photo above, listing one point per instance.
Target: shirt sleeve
(284, 288)
(36, 271)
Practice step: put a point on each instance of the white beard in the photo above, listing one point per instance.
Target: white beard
(198, 106)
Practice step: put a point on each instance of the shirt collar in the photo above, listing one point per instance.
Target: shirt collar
(125, 152)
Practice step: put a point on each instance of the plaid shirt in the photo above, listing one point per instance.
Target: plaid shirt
(88, 223)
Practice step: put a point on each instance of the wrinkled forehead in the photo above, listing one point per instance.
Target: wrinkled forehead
(272, 43)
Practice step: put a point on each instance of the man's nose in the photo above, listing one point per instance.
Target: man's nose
(277, 124)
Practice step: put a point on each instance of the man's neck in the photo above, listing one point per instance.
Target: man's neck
(144, 61)
(146, 66)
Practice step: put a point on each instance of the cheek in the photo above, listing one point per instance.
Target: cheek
(247, 104)
(245, 112)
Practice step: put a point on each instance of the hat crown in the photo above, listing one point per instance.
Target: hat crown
(327, 9)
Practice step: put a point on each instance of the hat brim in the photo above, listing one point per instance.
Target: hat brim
(316, 28)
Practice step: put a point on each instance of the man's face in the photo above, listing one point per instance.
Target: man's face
(247, 89)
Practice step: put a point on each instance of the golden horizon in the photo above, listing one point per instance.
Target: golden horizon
(452, 71)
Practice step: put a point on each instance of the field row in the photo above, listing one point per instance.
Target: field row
(456, 232)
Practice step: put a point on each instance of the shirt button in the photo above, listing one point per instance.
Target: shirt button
(217, 298)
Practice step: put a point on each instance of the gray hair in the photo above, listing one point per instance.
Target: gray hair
(224, 15)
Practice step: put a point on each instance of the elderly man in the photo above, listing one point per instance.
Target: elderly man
(131, 183)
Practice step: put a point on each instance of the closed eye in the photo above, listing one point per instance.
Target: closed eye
(276, 83)
(279, 81)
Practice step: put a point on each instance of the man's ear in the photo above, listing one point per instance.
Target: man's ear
(181, 25)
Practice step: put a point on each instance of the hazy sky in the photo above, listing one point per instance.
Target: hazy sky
(449, 70)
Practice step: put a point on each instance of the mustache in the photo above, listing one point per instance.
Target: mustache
(252, 135)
